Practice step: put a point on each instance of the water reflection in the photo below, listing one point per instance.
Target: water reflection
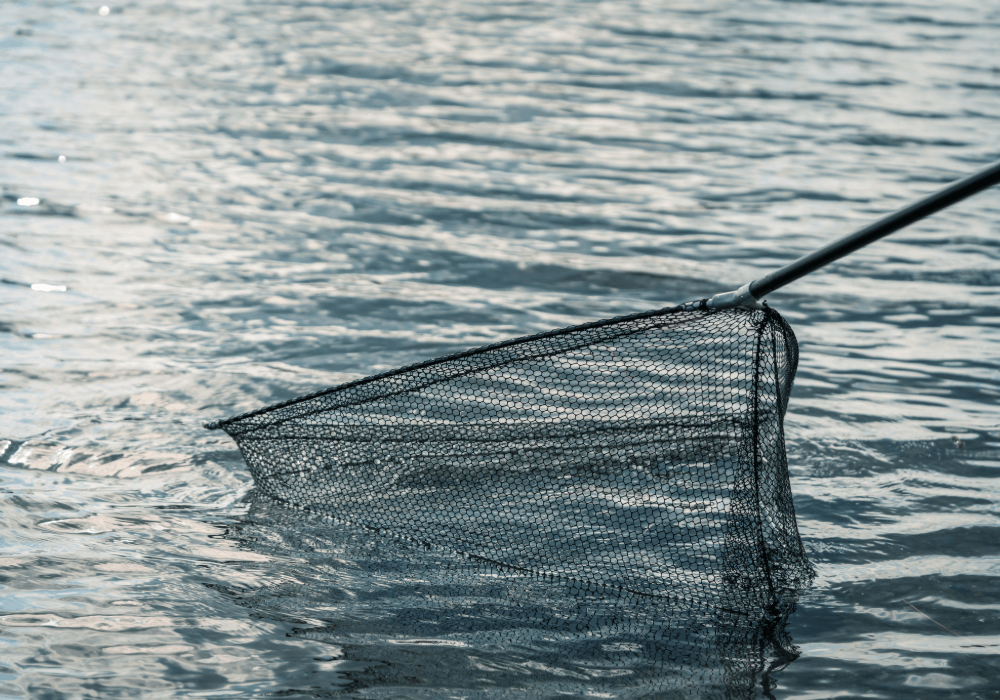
(405, 619)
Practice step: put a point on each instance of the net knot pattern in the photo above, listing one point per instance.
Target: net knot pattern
(643, 454)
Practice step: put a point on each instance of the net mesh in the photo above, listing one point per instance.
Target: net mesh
(513, 635)
(641, 454)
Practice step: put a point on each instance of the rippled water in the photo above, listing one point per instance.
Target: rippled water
(248, 201)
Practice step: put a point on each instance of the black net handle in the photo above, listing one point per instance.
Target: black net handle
(955, 192)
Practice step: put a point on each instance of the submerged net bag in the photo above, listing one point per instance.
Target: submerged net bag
(643, 454)
(516, 634)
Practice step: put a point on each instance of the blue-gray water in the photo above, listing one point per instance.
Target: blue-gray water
(251, 200)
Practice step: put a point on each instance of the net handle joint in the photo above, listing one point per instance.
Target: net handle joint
(741, 298)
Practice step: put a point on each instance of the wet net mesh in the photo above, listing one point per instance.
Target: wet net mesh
(514, 635)
(642, 454)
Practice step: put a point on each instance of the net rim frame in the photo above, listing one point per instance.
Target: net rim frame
(696, 306)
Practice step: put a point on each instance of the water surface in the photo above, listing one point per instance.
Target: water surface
(248, 201)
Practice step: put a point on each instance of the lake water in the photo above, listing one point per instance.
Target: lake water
(248, 201)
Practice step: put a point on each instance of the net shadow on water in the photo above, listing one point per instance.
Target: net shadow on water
(408, 620)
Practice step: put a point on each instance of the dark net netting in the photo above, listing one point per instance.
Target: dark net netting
(417, 622)
(642, 454)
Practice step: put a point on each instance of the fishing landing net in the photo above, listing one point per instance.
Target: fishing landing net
(642, 454)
